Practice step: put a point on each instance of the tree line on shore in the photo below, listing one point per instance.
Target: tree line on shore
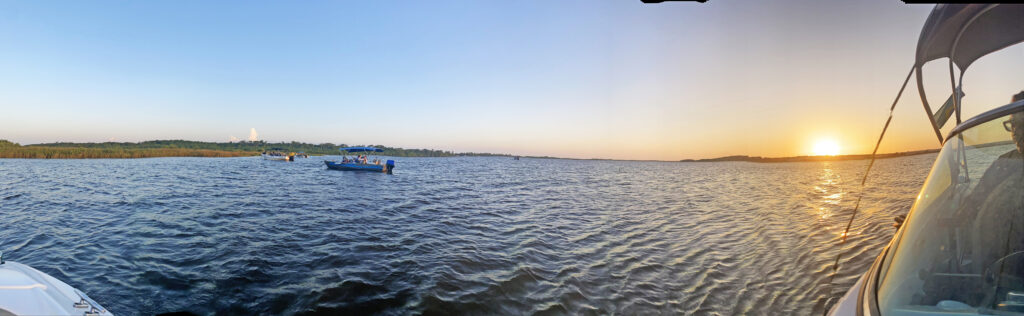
(812, 158)
(184, 148)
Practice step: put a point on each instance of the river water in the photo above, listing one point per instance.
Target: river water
(465, 235)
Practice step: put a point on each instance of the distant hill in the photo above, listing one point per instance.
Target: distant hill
(812, 158)
(184, 148)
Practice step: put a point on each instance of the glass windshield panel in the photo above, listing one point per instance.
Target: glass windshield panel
(962, 249)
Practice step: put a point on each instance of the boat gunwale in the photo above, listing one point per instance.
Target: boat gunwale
(986, 116)
(335, 165)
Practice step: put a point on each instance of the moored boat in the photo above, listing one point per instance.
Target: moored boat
(27, 291)
(361, 162)
(960, 249)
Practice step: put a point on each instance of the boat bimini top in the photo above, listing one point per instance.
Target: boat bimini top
(963, 33)
(360, 149)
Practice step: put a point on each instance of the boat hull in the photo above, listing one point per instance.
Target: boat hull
(357, 167)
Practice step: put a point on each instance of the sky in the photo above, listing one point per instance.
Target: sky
(579, 79)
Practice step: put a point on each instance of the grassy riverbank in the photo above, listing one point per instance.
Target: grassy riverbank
(12, 150)
(182, 148)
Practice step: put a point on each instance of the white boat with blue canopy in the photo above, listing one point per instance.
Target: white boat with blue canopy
(361, 162)
(960, 249)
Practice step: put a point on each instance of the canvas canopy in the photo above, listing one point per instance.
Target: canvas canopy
(965, 32)
(360, 149)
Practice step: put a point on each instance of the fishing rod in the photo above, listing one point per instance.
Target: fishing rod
(863, 181)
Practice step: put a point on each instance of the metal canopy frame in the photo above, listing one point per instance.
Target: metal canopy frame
(963, 33)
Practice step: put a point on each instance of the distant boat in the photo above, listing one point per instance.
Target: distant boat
(517, 158)
(361, 163)
(27, 291)
(278, 155)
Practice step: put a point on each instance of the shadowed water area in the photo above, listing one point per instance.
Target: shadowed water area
(451, 235)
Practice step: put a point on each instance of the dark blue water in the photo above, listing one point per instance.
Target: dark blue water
(449, 235)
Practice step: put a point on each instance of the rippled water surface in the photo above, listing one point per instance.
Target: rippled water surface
(450, 235)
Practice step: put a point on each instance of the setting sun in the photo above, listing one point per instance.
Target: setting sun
(826, 148)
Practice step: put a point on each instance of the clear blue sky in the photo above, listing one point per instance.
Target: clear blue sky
(610, 79)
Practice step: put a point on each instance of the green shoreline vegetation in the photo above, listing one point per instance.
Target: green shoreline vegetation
(183, 148)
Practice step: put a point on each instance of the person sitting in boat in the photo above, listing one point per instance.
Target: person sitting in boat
(998, 206)
(1005, 171)
(993, 215)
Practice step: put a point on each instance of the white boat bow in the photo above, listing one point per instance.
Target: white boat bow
(27, 291)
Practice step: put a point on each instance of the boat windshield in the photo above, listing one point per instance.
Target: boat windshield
(961, 251)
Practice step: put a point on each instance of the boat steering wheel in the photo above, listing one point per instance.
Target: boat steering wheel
(993, 274)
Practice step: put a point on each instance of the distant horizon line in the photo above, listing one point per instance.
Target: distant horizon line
(739, 157)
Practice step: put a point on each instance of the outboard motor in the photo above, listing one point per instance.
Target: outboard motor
(390, 165)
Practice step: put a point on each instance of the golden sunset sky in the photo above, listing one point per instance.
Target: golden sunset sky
(580, 79)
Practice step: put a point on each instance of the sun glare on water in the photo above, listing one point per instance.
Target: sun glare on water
(826, 148)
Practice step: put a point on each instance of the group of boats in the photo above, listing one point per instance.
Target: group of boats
(360, 160)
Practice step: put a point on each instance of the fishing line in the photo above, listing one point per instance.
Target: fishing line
(864, 180)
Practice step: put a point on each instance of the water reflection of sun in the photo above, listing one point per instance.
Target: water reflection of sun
(826, 147)
(829, 192)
